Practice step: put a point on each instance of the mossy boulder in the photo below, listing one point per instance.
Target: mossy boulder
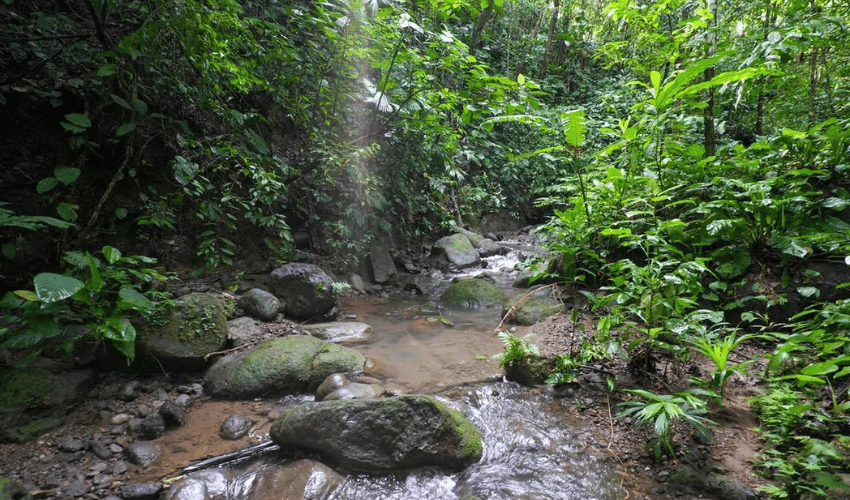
(33, 398)
(530, 309)
(454, 250)
(180, 334)
(279, 366)
(387, 434)
(529, 371)
(473, 293)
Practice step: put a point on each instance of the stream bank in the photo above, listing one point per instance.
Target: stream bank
(541, 442)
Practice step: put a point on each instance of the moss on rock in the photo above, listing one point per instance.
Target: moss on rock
(473, 293)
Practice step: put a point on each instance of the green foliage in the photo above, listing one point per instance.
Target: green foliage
(516, 349)
(718, 351)
(105, 303)
(662, 411)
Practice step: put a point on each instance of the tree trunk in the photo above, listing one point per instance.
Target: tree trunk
(550, 40)
(480, 23)
(709, 132)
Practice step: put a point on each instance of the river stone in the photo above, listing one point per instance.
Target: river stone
(355, 390)
(260, 304)
(387, 434)
(533, 308)
(383, 267)
(304, 479)
(243, 330)
(455, 249)
(143, 453)
(140, 491)
(485, 246)
(473, 293)
(209, 484)
(338, 331)
(179, 336)
(280, 365)
(331, 383)
(306, 289)
(235, 427)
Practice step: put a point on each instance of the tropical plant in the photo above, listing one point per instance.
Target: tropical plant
(105, 304)
(516, 349)
(718, 351)
(661, 411)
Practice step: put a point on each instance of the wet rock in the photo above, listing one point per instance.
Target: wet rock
(338, 331)
(531, 370)
(355, 390)
(178, 337)
(281, 365)
(143, 453)
(306, 290)
(182, 400)
(243, 330)
(260, 304)
(129, 391)
(140, 491)
(100, 450)
(235, 427)
(381, 261)
(172, 413)
(473, 293)
(454, 250)
(331, 383)
(153, 426)
(530, 309)
(203, 485)
(355, 281)
(71, 444)
(302, 479)
(384, 434)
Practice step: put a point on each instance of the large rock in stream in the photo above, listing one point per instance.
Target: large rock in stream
(388, 434)
(281, 365)
(306, 290)
(180, 335)
(473, 293)
(456, 250)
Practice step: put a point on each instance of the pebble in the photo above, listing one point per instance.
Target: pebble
(183, 400)
(121, 418)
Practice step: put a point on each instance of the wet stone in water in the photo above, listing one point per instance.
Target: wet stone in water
(235, 427)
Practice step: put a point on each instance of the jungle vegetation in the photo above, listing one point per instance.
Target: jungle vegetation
(689, 158)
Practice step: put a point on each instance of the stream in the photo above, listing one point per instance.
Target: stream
(533, 448)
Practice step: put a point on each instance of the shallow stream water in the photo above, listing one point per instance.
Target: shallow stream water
(533, 449)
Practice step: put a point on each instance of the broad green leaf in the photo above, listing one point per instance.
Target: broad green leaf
(809, 291)
(46, 184)
(79, 120)
(66, 175)
(822, 368)
(120, 213)
(96, 282)
(121, 102)
(107, 70)
(574, 127)
(127, 348)
(52, 287)
(135, 300)
(125, 129)
(67, 211)
(26, 295)
(140, 107)
(112, 254)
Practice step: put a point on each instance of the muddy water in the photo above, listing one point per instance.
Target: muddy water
(533, 450)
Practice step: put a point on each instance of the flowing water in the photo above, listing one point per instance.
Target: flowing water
(532, 448)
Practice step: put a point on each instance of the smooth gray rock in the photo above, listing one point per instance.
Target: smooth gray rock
(356, 283)
(235, 427)
(153, 426)
(356, 390)
(209, 484)
(330, 384)
(280, 365)
(383, 267)
(456, 250)
(260, 304)
(243, 330)
(386, 434)
(306, 290)
(304, 479)
(143, 453)
(338, 331)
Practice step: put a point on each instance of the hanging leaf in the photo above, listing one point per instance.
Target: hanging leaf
(112, 254)
(574, 127)
(79, 120)
(46, 184)
(121, 102)
(132, 299)
(66, 175)
(52, 287)
(125, 129)
(67, 211)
